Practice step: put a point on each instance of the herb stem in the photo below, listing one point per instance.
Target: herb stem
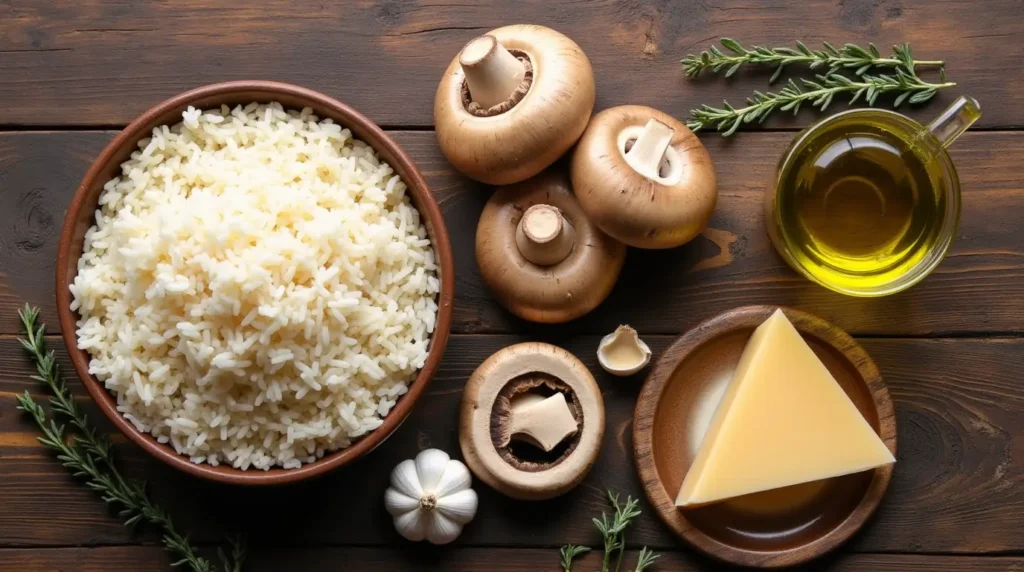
(89, 455)
(849, 56)
(570, 552)
(613, 532)
(622, 550)
(819, 93)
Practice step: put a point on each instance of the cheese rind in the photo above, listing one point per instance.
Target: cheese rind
(783, 420)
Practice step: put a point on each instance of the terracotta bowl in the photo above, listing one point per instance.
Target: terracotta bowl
(771, 529)
(80, 216)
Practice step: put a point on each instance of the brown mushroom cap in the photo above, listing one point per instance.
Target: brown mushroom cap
(480, 403)
(523, 140)
(552, 293)
(635, 208)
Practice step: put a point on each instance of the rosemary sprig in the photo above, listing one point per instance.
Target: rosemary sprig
(819, 93)
(645, 559)
(850, 56)
(613, 533)
(570, 552)
(89, 455)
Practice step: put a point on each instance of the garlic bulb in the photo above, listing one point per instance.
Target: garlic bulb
(430, 498)
(622, 352)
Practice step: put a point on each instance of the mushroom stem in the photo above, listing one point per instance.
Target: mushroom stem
(649, 149)
(543, 235)
(492, 72)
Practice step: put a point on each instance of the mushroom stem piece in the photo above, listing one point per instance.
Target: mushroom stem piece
(488, 415)
(543, 236)
(492, 72)
(648, 151)
(545, 422)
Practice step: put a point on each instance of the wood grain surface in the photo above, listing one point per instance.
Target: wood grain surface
(149, 559)
(958, 485)
(949, 349)
(102, 62)
(975, 290)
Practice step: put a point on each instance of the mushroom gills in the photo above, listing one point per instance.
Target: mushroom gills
(541, 421)
(622, 352)
(651, 153)
(493, 74)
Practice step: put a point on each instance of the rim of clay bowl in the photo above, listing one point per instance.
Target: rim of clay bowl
(80, 216)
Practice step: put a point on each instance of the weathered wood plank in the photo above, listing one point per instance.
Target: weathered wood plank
(958, 485)
(101, 62)
(975, 290)
(411, 557)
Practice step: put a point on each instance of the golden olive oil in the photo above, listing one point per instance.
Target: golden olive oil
(859, 202)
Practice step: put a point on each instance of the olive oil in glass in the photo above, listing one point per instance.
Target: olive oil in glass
(864, 202)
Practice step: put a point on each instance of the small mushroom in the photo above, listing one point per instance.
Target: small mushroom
(622, 352)
(540, 394)
(643, 177)
(540, 255)
(512, 102)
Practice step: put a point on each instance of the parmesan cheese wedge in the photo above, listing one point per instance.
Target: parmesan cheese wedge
(783, 420)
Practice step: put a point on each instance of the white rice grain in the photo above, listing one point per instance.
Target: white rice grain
(258, 289)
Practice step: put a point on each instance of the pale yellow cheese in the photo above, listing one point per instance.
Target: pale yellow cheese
(783, 420)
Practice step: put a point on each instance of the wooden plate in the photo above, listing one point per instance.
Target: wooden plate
(770, 529)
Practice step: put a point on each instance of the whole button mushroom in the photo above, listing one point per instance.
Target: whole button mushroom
(543, 259)
(512, 102)
(531, 421)
(644, 178)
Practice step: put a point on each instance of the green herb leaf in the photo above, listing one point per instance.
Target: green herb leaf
(818, 92)
(850, 56)
(89, 455)
(733, 46)
(569, 552)
(645, 559)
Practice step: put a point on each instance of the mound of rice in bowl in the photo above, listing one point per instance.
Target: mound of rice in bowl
(257, 289)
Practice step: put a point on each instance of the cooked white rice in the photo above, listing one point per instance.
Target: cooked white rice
(257, 290)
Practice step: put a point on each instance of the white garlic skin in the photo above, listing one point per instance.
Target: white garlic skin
(623, 336)
(430, 497)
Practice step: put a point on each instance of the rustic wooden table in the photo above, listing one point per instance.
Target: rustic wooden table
(73, 72)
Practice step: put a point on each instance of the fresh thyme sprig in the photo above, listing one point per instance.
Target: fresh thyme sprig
(613, 533)
(89, 455)
(850, 56)
(819, 93)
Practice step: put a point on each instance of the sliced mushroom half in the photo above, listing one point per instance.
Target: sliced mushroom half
(531, 421)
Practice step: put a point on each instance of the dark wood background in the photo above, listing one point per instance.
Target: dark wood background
(951, 349)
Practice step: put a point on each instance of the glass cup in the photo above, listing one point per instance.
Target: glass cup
(863, 273)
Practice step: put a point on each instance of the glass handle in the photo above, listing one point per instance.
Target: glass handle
(952, 122)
